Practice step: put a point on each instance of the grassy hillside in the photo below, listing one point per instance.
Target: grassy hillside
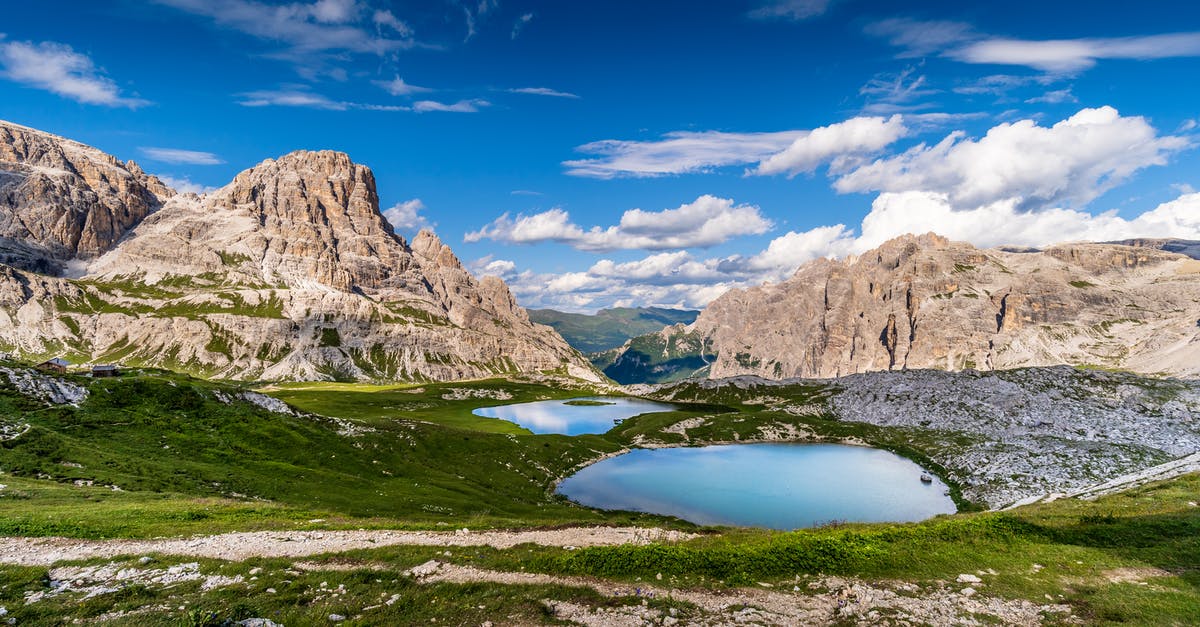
(609, 328)
(660, 357)
(403, 453)
(192, 456)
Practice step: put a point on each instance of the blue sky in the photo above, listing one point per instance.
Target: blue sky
(633, 153)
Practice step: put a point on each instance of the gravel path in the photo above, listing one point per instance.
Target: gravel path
(242, 546)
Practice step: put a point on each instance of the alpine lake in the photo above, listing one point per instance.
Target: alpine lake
(772, 485)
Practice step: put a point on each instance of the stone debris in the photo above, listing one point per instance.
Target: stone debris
(847, 600)
(1033, 432)
(45, 388)
(462, 394)
(90, 581)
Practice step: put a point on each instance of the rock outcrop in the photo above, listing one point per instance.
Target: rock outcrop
(288, 272)
(61, 200)
(926, 302)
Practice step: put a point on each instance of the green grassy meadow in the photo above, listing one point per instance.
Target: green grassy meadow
(415, 457)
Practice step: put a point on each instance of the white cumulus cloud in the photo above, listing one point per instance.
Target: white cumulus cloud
(1002, 223)
(406, 216)
(707, 221)
(185, 185)
(1071, 162)
(837, 144)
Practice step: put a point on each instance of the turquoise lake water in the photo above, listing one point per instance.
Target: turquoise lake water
(779, 486)
(558, 417)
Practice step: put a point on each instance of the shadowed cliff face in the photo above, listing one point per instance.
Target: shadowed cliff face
(60, 199)
(288, 272)
(927, 302)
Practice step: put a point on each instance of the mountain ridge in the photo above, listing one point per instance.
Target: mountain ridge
(609, 328)
(927, 302)
(288, 272)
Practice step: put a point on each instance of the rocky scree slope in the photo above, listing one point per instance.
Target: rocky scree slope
(288, 272)
(924, 302)
(1003, 436)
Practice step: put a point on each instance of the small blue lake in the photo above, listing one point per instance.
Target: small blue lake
(779, 486)
(558, 417)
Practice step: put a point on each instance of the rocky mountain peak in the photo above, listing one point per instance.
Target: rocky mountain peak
(316, 219)
(62, 200)
(288, 272)
(928, 302)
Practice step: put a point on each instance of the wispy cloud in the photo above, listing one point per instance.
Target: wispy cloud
(542, 91)
(917, 38)
(677, 153)
(177, 155)
(58, 69)
(325, 25)
(1056, 96)
(291, 98)
(303, 98)
(520, 24)
(961, 42)
(475, 11)
(783, 152)
(1002, 84)
(1073, 55)
(462, 106)
(899, 92)
(397, 87)
(790, 9)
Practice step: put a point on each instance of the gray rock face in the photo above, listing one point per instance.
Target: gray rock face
(926, 302)
(288, 272)
(61, 200)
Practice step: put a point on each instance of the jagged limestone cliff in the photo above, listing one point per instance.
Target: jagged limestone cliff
(62, 200)
(288, 272)
(927, 302)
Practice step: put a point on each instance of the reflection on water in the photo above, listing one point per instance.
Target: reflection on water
(781, 486)
(558, 417)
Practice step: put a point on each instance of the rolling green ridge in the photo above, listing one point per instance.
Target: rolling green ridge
(609, 328)
(662, 357)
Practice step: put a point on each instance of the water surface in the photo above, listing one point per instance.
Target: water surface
(780, 486)
(558, 417)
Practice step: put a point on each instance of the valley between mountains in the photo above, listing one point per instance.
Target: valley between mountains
(290, 437)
